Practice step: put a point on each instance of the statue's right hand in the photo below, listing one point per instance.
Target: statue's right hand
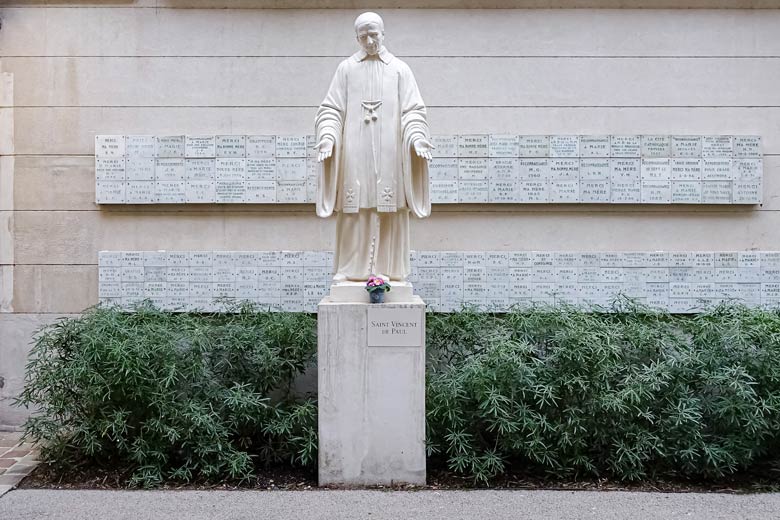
(324, 149)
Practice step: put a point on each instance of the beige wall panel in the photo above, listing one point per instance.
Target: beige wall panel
(75, 237)
(55, 288)
(72, 130)
(46, 183)
(168, 32)
(445, 81)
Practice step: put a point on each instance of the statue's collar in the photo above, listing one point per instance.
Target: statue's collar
(383, 54)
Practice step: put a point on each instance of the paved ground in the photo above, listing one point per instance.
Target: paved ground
(379, 505)
(17, 460)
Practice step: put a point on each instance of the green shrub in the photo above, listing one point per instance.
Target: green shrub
(630, 395)
(172, 396)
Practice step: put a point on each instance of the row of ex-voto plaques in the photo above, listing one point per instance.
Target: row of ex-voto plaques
(680, 282)
(628, 169)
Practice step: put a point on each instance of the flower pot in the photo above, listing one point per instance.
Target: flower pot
(377, 296)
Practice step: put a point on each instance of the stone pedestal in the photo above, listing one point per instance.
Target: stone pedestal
(355, 292)
(371, 380)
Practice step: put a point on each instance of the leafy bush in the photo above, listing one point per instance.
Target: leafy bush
(172, 396)
(631, 395)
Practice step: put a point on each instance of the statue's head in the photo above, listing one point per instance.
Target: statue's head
(370, 32)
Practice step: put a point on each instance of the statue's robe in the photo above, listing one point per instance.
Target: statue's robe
(373, 113)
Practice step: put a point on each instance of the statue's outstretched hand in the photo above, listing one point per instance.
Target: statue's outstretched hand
(324, 149)
(423, 148)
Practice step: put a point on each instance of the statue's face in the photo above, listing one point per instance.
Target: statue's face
(370, 37)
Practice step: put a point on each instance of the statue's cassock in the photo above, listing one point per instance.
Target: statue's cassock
(374, 113)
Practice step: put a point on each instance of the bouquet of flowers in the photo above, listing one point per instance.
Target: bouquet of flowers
(377, 287)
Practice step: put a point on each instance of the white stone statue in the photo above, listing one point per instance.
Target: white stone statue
(373, 140)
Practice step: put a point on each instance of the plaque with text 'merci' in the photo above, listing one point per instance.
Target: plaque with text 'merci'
(475, 168)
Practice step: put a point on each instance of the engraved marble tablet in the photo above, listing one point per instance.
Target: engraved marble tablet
(747, 147)
(262, 146)
(564, 190)
(473, 169)
(564, 169)
(394, 327)
(533, 169)
(626, 193)
(141, 145)
(716, 192)
(533, 192)
(503, 169)
(109, 146)
(260, 192)
(656, 192)
(445, 145)
(291, 146)
(747, 192)
(534, 145)
(169, 169)
(686, 169)
(443, 169)
(230, 169)
(747, 169)
(291, 192)
(594, 146)
(472, 146)
(109, 168)
(595, 191)
(229, 191)
(200, 169)
(200, 146)
(686, 192)
(564, 146)
(170, 146)
(230, 146)
(139, 192)
(170, 192)
(717, 169)
(656, 169)
(291, 169)
(502, 191)
(656, 146)
(260, 169)
(594, 169)
(473, 191)
(444, 192)
(625, 171)
(717, 146)
(686, 145)
(110, 192)
(625, 146)
(503, 145)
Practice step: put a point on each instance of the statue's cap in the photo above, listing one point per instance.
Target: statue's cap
(369, 17)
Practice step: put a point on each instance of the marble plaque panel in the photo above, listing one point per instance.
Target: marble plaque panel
(472, 146)
(291, 170)
(444, 192)
(656, 169)
(445, 146)
(598, 191)
(139, 192)
(534, 145)
(170, 192)
(503, 169)
(747, 192)
(747, 147)
(502, 191)
(473, 169)
(201, 258)
(626, 193)
(140, 168)
(230, 146)
(564, 191)
(109, 146)
(594, 146)
(533, 169)
(717, 146)
(718, 169)
(533, 191)
(656, 192)
(311, 147)
(594, 169)
(260, 192)
(686, 169)
(141, 145)
(291, 192)
(110, 192)
(625, 171)
(170, 146)
(200, 169)
(564, 146)
(656, 146)
(110, 258)
(290, 146)
(261, 169)
(473, 191)
(200, 146)
(503, 145)
(109, 168)
(229, 191)
(686, 145)
(748, 170)
(686, 192)
(261, 146)
(564, 169)
(625, 146)
(201, 191)
(716, 192)
(230, 169)
(169, 169)
(443, 169)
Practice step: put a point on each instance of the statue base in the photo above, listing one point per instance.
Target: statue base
(355, 292)
(371, 393)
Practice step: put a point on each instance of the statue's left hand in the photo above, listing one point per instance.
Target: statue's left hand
(423, 148)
